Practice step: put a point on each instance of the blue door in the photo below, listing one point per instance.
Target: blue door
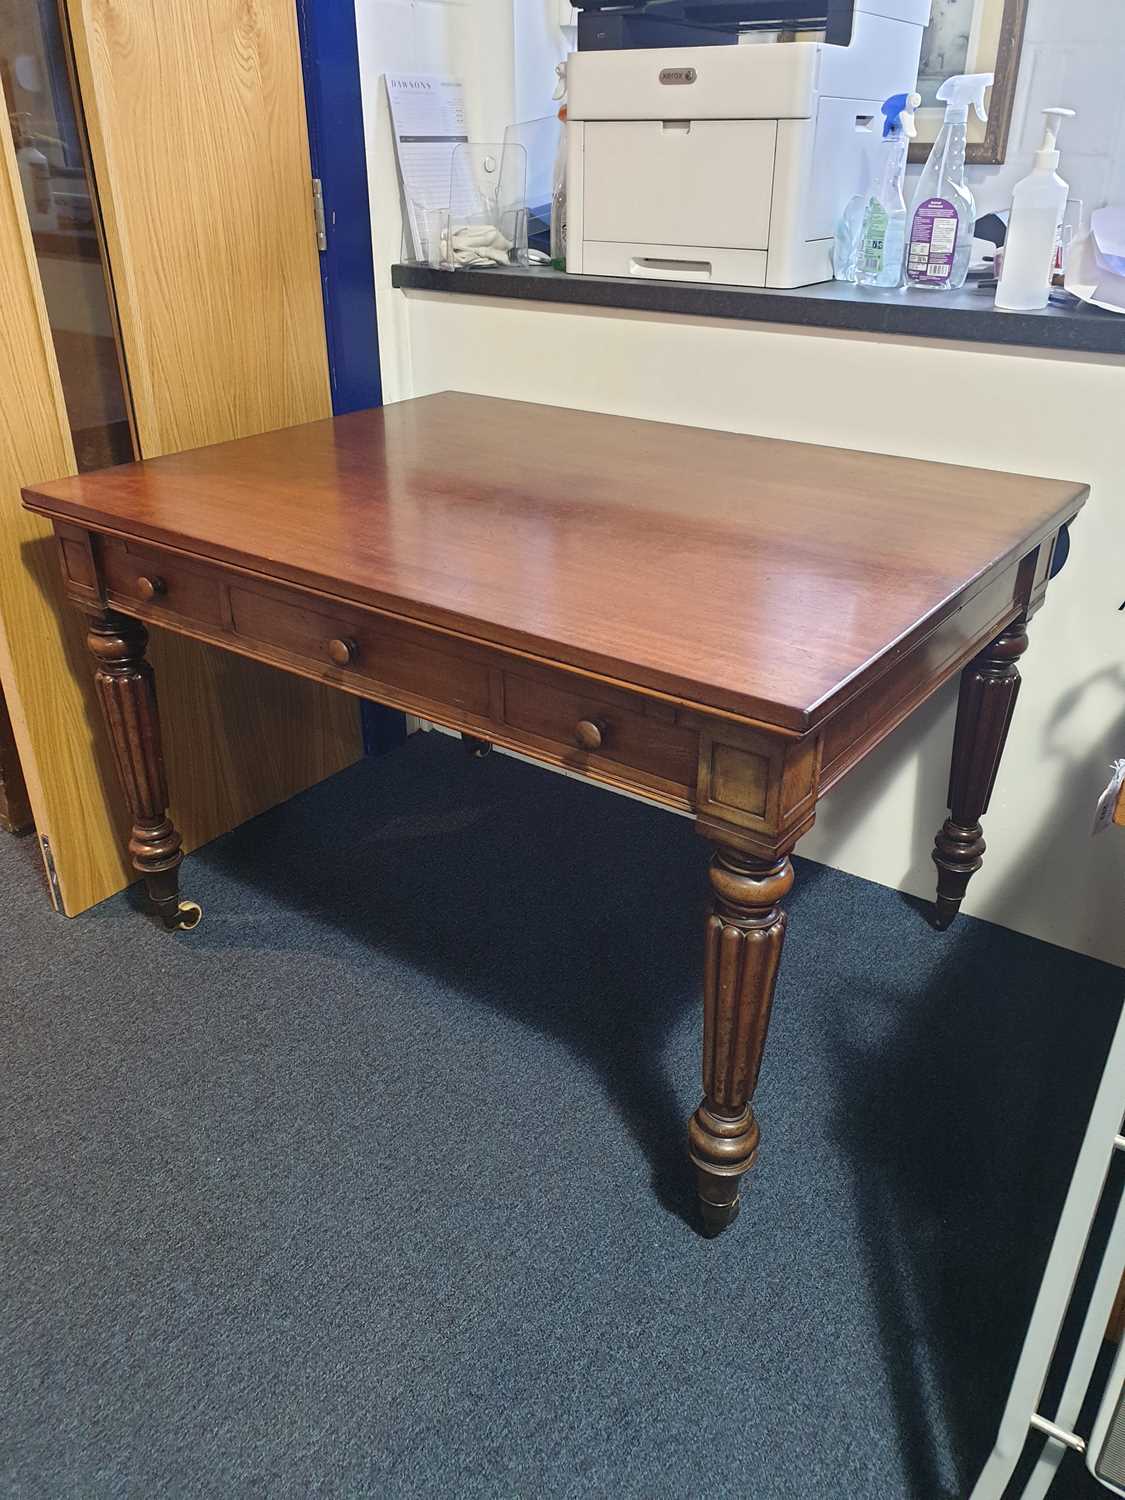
(339, 163)
(334, 106)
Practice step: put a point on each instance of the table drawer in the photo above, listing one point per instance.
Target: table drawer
(163, 583)
(372, 651)
(604, 724)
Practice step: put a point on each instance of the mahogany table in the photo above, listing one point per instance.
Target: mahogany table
(722, 624)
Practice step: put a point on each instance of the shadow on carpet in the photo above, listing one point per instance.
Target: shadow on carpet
(375, 1184)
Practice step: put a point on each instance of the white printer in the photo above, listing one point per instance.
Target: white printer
(733, 160)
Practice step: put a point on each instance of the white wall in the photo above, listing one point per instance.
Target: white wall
(1023, 411)
(540, 43)
(1074, 56)
(469, 39)
(1033, 413)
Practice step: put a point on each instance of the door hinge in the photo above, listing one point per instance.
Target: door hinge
(318, 214)
(52, 873)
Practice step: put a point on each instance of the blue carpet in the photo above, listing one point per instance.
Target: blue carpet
(375, 1184)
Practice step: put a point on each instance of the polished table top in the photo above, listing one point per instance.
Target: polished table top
(757, 576)
(724, 624)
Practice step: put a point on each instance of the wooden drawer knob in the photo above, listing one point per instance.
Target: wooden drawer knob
(590, 734)
(342, 652)
(151, 588)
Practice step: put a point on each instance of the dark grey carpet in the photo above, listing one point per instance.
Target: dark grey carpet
(374, 1185)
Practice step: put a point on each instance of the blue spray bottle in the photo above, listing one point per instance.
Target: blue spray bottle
(882, 238)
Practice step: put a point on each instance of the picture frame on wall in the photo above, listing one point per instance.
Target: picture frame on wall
(971, 36)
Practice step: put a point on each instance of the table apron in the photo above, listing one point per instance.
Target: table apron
(747, 785)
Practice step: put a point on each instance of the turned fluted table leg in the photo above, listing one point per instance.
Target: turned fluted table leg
(990, 685)
(128, 698)
(745, 932)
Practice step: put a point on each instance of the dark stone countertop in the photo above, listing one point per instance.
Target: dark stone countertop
(967, 315)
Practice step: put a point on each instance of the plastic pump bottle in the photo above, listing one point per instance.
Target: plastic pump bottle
(1035, 227)
(883, 235)
(35, 175)
(943, 214)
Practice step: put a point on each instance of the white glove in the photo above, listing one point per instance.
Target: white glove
(479, 244)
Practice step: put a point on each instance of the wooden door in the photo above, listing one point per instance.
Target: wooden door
(49, 692)
(196, 123)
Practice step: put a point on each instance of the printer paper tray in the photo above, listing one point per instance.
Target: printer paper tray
(674, 262)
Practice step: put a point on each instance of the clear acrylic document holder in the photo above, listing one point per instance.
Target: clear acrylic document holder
(485, 222)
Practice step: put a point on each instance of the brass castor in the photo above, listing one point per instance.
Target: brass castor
(186, 917)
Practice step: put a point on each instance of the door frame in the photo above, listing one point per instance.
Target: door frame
(337, 146)
(338, 150)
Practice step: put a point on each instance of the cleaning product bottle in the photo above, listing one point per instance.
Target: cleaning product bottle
(35, 174)
(1035, 226)
(943, 214)
(883, 234)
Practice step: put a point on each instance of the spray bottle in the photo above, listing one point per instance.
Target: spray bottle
(883, 234)
(1035, 227)
(943, 214)
(845, 251)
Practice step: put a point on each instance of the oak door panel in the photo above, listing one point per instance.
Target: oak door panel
(47, 683)
(197, 130)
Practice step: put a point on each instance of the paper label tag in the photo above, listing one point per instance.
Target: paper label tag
(874, 251)
(933, 239)
(1107, 802)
